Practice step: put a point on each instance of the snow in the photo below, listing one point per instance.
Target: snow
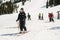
(38, 29)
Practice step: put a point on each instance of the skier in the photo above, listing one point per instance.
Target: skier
(51, 17)
(23, 2)
(29, 16)
(58, 15)
(39, 16)
(42, 16)
(22, 18)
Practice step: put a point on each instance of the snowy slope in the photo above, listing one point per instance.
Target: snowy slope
(38, 29)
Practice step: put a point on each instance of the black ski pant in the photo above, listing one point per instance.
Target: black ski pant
(39, 17)
(22, 26)
(51, 19)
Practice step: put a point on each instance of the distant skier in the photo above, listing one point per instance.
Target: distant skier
(58, 15)
(42, 16)
(29, 16)
(23, 2)
(51, 16)
(39, 16)
(22, 18)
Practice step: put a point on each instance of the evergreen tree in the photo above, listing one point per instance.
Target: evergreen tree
(50, 3)
(56, 2)
(6, 8)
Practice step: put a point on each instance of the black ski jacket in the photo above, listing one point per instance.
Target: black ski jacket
(21, 16)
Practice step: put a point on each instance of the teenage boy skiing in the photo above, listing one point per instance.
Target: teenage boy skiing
(22, 19)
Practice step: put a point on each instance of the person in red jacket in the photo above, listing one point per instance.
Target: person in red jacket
(51, 16)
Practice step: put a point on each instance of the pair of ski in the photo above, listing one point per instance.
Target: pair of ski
(22, 33)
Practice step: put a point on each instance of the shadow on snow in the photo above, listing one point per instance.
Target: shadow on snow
(11, 27)
(12, 34)
(54, 28)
